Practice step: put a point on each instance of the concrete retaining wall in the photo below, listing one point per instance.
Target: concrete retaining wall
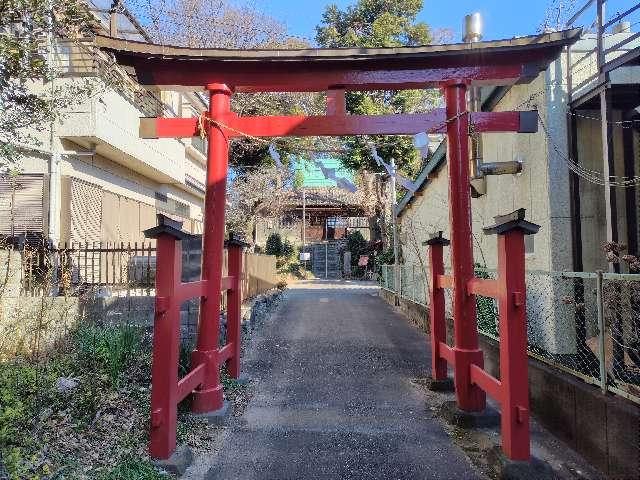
(603, 428)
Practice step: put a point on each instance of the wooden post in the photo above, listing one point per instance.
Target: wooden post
(436, 306)
(466, 352)
(166, 349)
(513, 345)
(512, 390)
(209, 396)
(234, 301)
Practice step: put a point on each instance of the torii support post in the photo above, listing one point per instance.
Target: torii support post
(509, 289)
(465, 351)
(512, 390)
(234, 301)
(167, 390)
(209, 396)
(166, 344)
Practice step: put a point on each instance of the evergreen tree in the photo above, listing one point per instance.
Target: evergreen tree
(375, 24)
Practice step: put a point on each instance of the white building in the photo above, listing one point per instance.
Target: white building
(95, 180)
(570, 207)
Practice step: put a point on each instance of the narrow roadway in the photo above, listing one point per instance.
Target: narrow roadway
(333, 397)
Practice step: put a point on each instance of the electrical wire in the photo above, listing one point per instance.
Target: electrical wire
(591, 176)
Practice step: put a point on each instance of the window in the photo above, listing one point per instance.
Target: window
(337, 222)
(200, 145)
(171, 206)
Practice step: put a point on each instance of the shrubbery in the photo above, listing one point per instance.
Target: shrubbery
(287, 255)
(56, 408)
(274, 245)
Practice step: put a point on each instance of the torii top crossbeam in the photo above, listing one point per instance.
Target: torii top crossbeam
(501, 62)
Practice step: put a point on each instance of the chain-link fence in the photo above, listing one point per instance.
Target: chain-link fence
(584, 323)
(621, 343)
(411, 279)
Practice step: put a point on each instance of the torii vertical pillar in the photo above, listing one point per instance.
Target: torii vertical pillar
(466, 350)
(209, 396)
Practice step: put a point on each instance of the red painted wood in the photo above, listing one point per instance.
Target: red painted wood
(227, 283)
(447, 353)
(166, 347)
(336, 103)
(437, 313)
(483, 287)
(513, 346)
(315, 77)
(336, 125)
(487, 383)
(494, 122)
(470, 379)
(176, 127)
(469, 396)
(187, 291)
(225, 353)
(234, 300)
(445, 281)
(190, 381)
(209, 396)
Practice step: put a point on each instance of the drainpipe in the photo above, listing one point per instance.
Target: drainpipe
(394, 219)
(53, 213)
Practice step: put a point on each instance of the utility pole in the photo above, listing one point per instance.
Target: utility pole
(304, 226)
(53, 214)
(394, 222)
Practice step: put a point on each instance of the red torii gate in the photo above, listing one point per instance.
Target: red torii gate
(453, 68)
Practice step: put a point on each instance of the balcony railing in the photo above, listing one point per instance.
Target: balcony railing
(615, 44)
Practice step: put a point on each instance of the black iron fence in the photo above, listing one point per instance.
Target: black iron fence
(70, 268)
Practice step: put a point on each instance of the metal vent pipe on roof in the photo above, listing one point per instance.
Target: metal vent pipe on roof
(472, 34)
(472, 28)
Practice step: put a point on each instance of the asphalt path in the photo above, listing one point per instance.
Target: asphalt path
(333, 398)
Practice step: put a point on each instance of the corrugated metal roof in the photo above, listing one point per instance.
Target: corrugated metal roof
(313, 176)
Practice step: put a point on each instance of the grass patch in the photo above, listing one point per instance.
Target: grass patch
(96, 427)
(134, 469)
(83, 430)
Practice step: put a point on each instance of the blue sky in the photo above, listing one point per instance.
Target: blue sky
(502, 18)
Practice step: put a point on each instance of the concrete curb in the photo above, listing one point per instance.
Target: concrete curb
(177, 463)
(488, 418)
(217, 417)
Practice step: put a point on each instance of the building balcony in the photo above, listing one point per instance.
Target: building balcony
(621, 51)
(110, 121)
